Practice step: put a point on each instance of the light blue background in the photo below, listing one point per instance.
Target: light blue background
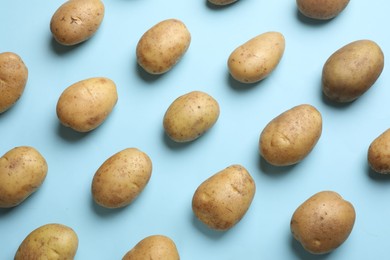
(337, 163)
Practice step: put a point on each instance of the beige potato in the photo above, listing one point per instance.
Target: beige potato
(323, 222)
(222, 2)
(222, 200)
(121, 178)
(190, 116)
(256, 58)
(13, 79)
(156, 247)
(76, 21)
(86, 104)
(352, 70)
(321, 9)
(162, 46)
(291, 136)
(379, 153)
(22, 171)
(51, 242)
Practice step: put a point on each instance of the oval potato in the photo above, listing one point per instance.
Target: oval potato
(321, 9)
(222, 2)
(291, 136)
(379, 153)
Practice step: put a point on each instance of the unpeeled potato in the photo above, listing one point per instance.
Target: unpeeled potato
(379, 153)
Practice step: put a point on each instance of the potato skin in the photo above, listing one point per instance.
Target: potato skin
(190, 116)
(291, 136)
(121, 178)
(156, 247)
(321, 9)
(323, 222)
(85, 105)
(378, 155)
(50, 241)
(222, 200)
(13, 79)
(222, 2)
(76, 21)
(352, 70)
(22, 171)
(162, 46)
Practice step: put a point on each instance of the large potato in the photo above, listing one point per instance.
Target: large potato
(76, 21)
(22, 171)
(51, 242)
(156, 247)
(323, 222)
(121, 178)
(162, 46)
(222, 200)
(85, 105)
(13, 79)
(321, 9)
(352, 70)
(379, 153)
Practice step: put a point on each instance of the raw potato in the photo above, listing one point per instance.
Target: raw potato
(86, 104)
(352, 70)
(76, 21)
(51, 242)
(291, 136)
(156, 247)
(222, 200)
(22, 171)
(379, 153)
(257, 58)
(323, 222)
(121, 178)
(13, 79)
(190, 116)
(162, 46)
(222, 2)
(321, 9)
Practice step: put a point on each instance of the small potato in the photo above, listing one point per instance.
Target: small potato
(323, 222)
(379, 153)
(222, 200)
(13, 79)
(156, 247)
(121, 178)
(321, 9)
(22, 171)
(86, 104)
(190, 116)
(257, 58)
(222, 2)
(162, 46)
(50, 241)
(291, 136)
(352, 70)
(76, 21)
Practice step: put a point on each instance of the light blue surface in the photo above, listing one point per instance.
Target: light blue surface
(337, 163)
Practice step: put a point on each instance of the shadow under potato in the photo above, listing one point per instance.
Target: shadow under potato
(274, 171)
(210, 233)
(174, 145)
(146, 76)
(60, 49)
(311, 21)
(239, 86)
(302, 254)
(376, 176)
(69, 134)
(215, 7)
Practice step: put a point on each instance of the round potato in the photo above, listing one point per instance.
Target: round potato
(323, 222)
(162, 46)
(352, 70)
(153, 247)
(257, 58)
(121, 178)
(50, 241)
(291, 136)
(222, 200)
(321, 9)
(76, 21)
(85, 105)
(13, 79)
(379, 153)
(22, 171)
(222, 2)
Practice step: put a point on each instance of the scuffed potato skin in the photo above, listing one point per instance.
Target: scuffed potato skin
(321, 9)
(379, 153)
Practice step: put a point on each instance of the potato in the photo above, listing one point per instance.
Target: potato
(50, 241)
(222, 2)
(85, 105)
(154, 247)
(13, 79)
(121, 178)
(22, 171)
(352, 70)
(162, 46)
(379, 153)
(222, 200)
(76, 21)
(321, 9)
(256, 58)
(190, 116)
(323, 222)
(291, 136)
